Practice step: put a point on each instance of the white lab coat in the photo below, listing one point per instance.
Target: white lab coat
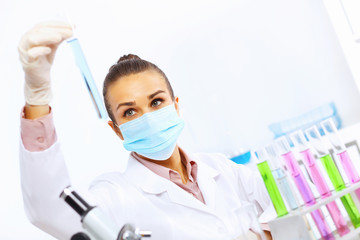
(143, 198)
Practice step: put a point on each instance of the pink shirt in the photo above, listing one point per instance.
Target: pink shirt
(39, 134)
(191, 167)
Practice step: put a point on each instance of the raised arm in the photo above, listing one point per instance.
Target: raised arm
(43, 171)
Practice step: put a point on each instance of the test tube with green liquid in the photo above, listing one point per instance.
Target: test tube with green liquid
(282, 179)
(335, 177)
(270, 184)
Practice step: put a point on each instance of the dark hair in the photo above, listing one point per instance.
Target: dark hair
(126, 65)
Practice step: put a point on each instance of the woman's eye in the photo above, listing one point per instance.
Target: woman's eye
(129, 113)
(156, 102)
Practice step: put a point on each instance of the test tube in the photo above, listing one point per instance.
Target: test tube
(270, 184)
(314, 137)
(293, 167)
(88, 78)
(340, 149)
(300, 143)
(281, 177)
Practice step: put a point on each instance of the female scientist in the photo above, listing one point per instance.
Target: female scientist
(164, 189)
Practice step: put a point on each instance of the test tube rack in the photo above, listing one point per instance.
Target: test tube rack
(294, 225)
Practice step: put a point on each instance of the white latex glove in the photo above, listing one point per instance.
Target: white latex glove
(37, 51)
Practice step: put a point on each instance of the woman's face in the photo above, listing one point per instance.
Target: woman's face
(134, 95)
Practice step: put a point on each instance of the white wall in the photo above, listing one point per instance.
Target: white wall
(237, 66)
(346, 21)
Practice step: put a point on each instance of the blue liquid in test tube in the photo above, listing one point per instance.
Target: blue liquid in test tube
(281, 177)
(89, 80)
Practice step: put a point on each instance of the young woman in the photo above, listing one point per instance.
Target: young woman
(175, 194)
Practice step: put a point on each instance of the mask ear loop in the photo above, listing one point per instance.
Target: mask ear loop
(116, 125)
(118, 128)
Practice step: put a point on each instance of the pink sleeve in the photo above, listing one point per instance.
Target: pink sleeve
(38, 134)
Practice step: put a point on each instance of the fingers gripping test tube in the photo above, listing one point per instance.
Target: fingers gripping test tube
(89, 80)
(293, 167)
(335, 177)
(300, 143)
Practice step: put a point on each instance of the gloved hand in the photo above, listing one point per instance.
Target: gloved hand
(37, 51)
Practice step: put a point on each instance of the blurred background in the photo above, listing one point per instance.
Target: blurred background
(237, 67)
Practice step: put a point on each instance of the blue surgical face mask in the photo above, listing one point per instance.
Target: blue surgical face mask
(154, 134)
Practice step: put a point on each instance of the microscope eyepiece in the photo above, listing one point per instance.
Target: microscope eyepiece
(75, 201)
(96, 223)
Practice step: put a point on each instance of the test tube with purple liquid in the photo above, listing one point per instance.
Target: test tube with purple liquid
(294, 169)
(301, 144)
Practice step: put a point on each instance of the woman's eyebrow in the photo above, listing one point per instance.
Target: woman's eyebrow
(125, 104)
(151, 96)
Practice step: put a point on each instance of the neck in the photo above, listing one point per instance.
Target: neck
(174, 163)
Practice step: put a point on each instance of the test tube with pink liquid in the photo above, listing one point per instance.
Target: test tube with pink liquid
(294, 169)
(301, 145)
(340, 149)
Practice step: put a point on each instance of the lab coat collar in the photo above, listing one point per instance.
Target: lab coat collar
(144, 178)
(207, 183)
(151, 183)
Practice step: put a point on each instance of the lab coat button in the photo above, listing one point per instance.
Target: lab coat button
(221, 230)
(40, 139)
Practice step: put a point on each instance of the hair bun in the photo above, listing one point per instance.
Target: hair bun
(128, 57)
